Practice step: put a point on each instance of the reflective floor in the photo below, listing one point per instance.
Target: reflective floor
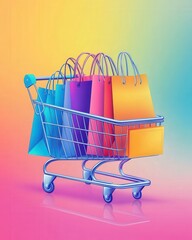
(77, 211)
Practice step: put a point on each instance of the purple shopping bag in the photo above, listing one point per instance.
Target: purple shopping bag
(80, 93)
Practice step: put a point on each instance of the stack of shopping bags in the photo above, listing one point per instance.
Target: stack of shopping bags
(84, 88)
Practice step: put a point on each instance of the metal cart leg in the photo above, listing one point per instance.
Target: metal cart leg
(137, 194)
(48, 179)
(137, 190)
(87, 175)
(136, 183)
(48, 185)
(107, 194)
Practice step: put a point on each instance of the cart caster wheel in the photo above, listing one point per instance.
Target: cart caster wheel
(88, 183)
(50, 189)
(137, 195)
(108, 199)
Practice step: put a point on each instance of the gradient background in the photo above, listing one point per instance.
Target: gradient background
(37, 37)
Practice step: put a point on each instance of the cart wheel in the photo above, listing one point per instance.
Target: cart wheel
(89, 178)
(50, 189)
(137, 195)
(108, 199)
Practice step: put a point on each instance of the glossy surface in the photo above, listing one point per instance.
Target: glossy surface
(75, 209)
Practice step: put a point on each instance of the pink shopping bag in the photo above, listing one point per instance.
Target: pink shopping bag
(100, 132)
(108, 113)
(95, 134)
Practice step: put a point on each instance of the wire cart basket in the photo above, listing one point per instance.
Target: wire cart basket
(102, 153)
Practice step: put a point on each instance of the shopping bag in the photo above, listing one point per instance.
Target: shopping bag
(37, 144)
(62, 130)
(99, 134)
(108, 113)
(109, 129)
(80, 93)
(50, 118)
(67, 133)
(74, 133)
(53, 117)
(131, 100)
(63, 148)
(95, 132)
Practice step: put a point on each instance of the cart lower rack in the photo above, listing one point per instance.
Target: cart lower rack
(75, 135)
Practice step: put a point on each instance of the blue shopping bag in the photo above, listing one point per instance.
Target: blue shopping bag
(67, 133)
(51, 144)
(77, 97)
(51, 125)
(37, 144)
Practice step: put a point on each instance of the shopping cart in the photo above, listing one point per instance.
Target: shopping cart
(76, 133)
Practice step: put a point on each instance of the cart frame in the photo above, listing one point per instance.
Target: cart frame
(89, 174)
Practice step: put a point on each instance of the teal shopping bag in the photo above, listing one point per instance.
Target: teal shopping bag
(37, 144)
(54, 116)
(46, 137)
(46, 133)
(51, 124)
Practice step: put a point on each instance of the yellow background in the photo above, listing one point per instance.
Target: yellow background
(37, 37)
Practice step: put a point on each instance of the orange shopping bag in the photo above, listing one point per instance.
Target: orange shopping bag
(131, 100)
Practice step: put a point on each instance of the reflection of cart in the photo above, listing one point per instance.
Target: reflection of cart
(73, 130)
(119, 215)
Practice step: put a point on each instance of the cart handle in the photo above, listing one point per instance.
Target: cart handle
(30, 79)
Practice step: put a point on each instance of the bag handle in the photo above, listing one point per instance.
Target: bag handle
(51, 82)
(65, 77)
(76, 65)
(84, 63)
(58, 76)
(99, 60)
(63, 66)
(112, 65)
(127, 57)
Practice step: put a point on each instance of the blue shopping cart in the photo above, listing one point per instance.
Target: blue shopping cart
(66, 136)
